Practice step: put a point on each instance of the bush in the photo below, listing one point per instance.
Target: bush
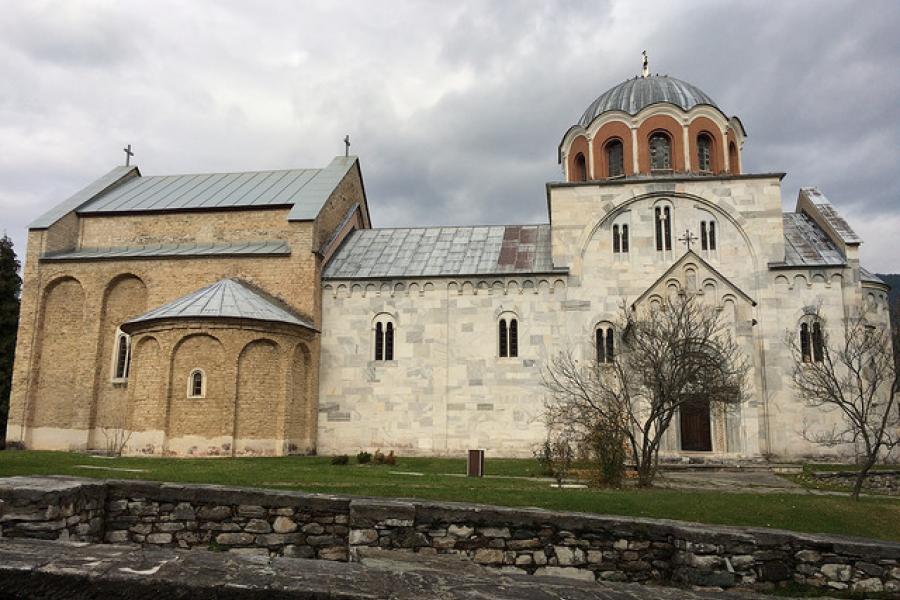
(390, 459)
(556, 456)
(341, 459)
(378, 459)
(610, 451)
(363, 458)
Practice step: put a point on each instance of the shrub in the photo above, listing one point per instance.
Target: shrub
(341, 459)
(390, 459)
(363, 458)
(16, 445)
(556, 455)
(378, 459)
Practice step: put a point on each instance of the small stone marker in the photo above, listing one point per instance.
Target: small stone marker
(475, 464)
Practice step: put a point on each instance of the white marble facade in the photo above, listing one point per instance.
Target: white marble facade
(446, 390)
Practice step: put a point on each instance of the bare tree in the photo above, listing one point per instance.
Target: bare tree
(670, 354)
(857, 375)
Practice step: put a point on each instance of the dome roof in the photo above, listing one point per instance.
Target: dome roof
(633, 95)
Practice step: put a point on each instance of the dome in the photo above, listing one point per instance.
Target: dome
(633, 95)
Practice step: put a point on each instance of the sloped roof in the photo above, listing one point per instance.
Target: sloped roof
(225, 299)
(834, 220)
(125, 190)
(691, 255)
(442, 251)
(269, 248)
(805, 244)
(870, 277)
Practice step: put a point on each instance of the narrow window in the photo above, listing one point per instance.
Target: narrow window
(504, 339)
(513, 338)
(600, 346)
(624, 238)
(389, 342)
(804, 343)
(123, 357)
(617, 242)
(712, 235)
(615, 158)
(196, 385)
(667, 224)
(609, 345)
(659, 229)
(379, 341)
(704, 153)
(704, 241)
(660, 152)
(817, 342)
(580, 167)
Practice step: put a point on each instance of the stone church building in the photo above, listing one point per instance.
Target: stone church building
(259, 313)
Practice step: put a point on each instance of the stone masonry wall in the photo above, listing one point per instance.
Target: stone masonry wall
(532, 541)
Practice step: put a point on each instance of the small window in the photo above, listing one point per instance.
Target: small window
(660, 152)
(580, 167)
(508, 337)
(122, 357)
(615, 158)
(604, 344)
(196, 384)
(708, 235)
(620, 238)
(812, 343)
(384, 338)
(663, 218)
(704, 153)
(617, 240)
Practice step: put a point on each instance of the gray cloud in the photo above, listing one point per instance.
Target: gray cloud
(455, 109)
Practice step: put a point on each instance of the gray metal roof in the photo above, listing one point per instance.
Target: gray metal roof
(870, 277)
(227, 298)
(274, 247)
(309, 202)
(805, 244)
(82, 196)
(442, 251)
(633, 95)
(831, 216)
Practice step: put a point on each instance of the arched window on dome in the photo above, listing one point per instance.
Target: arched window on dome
(704, 153)
(580, 167)
(660, 152)
(615, 159)
(733, 159)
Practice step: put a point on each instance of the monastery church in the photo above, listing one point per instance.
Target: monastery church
(259, 313)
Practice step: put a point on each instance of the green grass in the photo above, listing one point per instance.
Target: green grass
(870, 517)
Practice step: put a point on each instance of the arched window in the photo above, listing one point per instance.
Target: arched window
(196, 384)
(620, 238)
(384, 337)
(812, 342)
(615, 158)
(704, 153)
(617, 240)
(624, 238)
(708, 235)
(660, 152)
(604, 343)
(508, 337)
(122, 355)
(663, 220)
(580, 167)
(733, 159)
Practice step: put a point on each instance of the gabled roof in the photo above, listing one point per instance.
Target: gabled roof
(805, 244)
(839, 227)
(267, 248)
(442, 251)
(691, 255)
(125, 190)
(225, 299)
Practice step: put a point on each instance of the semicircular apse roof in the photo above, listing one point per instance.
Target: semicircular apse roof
(633, 95)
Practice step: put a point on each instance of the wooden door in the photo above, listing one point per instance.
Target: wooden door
(695, 430)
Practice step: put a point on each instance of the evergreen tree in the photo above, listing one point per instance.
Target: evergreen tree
(10, 286)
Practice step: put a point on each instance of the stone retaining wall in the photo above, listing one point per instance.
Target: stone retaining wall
(533, 541)
(879, 481)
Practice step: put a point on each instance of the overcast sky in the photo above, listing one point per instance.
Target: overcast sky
(455, 108)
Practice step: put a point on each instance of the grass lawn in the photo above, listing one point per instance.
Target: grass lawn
(432, 478)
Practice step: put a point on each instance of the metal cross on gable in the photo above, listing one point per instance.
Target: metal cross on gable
(688, 238)
(128, 154)
(347, 145)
